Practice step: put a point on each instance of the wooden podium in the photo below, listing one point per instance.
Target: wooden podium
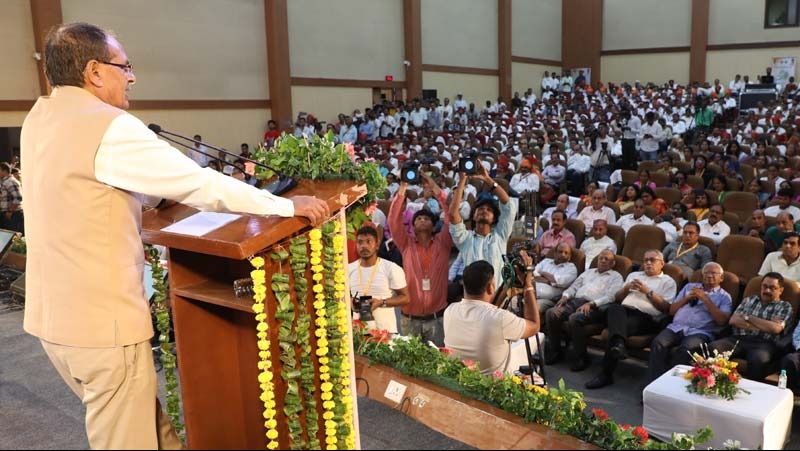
(215, 331)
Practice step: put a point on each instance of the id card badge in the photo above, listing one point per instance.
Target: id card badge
(426, 284)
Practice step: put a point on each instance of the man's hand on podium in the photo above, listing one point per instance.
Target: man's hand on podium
(312, 208)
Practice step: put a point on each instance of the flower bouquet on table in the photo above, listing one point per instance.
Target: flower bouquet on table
(714, 374)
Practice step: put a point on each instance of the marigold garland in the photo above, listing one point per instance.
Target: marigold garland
(317, 268)
(259, 277)
(347, 438)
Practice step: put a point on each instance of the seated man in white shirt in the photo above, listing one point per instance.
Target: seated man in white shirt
(714, 227)
(645, 296)
(784, 199)
(381, 280)
(786, 261)
(593, 289)
(636, 218)
(597, 242)
(553, 276)
(477, 330)
(562, 203)
(672, 224)
(524, 181)
(597, 210)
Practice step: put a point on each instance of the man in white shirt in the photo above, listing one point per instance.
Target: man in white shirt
(377, 281)
(645, 296)
(476, 330)
(650, 135)
(524, 181)
(348, 133)
(593, 289)
(460, 102)
(417, 117)
(597, 242)
(636, 218)
(786, 261)
(597, 210)
(714, 227)
(736, 85)
(553, 276)
(784, 199)
(677, 125)
(562, 203)
(200, 154)
(106, 160)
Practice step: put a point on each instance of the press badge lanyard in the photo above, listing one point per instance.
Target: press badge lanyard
(371, 276)
(423, 258)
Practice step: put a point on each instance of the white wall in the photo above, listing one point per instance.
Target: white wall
(352, 39)
(725, 64)
(477, 89)
(536, 29)
(18, 72)
(629, 24)
(326, 102)
(738, 21)
(237, 127)
(460, 33)
(655, 67)
(526, 76)
(211, 49)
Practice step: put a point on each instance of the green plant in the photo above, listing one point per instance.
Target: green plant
(168, 360)
(318, 158)
(19, 245)
(559, 408)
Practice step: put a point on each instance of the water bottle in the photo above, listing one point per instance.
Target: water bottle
(782, 380)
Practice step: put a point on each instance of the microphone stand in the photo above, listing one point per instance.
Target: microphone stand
(278, 187)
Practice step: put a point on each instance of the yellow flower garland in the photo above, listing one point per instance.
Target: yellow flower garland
(344, 347)
(259, 277)
(315, 243)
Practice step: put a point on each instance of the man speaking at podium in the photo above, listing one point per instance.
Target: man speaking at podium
(88, 163)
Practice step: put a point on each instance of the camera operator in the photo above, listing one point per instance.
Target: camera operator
(630, 126)
(601, 156)
(477, 330)
(492, 225)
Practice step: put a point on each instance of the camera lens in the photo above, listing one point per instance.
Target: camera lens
(469, 165)
(411, 175)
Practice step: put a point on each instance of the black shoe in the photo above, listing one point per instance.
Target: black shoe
(617, 351)
(552, 357)
(600, 381)
(580, 364)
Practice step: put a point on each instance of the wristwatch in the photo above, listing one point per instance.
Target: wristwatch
(747, 318)
(494, 186)
(384, 305)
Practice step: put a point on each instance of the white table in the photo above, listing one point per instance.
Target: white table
(760, 420)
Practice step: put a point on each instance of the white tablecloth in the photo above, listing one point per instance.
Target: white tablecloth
(760, 420)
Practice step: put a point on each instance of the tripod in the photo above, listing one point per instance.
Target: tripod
(535, 362)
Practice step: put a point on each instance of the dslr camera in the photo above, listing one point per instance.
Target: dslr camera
(468, 162)
(411, 172)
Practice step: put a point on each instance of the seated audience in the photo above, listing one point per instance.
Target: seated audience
(553, 276)
(775, 234)
(597, 210)
(562, 203)
(645, 296)
(785, 261)
(758, 225)
(555, 235)
(714, 227)
(784, 198)
(688, 254)
(636, 218)
(598, 241)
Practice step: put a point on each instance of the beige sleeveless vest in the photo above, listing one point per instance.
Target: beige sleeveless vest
(85, 258)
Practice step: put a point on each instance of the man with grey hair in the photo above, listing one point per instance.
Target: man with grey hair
(645, 296)
(698, 311)
(88, 165)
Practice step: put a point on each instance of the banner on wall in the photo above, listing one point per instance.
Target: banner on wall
(783, 68)
(587, 74)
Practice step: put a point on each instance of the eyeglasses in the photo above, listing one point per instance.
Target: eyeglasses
(128, 68)
(653, 260)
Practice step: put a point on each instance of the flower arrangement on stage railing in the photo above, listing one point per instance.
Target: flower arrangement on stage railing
(558, 408)
(319, 158)
(714, 375)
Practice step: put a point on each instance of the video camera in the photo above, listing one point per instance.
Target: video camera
(468, 163)
(514, 261)
(410, 172)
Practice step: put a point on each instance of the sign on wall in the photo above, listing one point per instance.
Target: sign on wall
(783, 68)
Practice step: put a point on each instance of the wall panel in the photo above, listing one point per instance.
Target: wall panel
(655, 67)
(738, 21)
(326, 103)
(536, 29)
(725, 64)
(18, 79)
(477, 89)
(462, 33)
(529, 76)
(630, 24)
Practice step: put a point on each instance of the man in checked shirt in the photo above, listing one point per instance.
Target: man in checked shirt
(10, 201)
(758, 323)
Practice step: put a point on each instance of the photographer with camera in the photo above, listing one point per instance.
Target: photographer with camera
(425, 260)
(378, 282)
(601, 160)
(477, 330)
(492, 224)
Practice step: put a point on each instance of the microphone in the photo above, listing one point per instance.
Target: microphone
(278, 187)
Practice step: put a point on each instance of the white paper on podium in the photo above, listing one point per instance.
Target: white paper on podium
(201, 223)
